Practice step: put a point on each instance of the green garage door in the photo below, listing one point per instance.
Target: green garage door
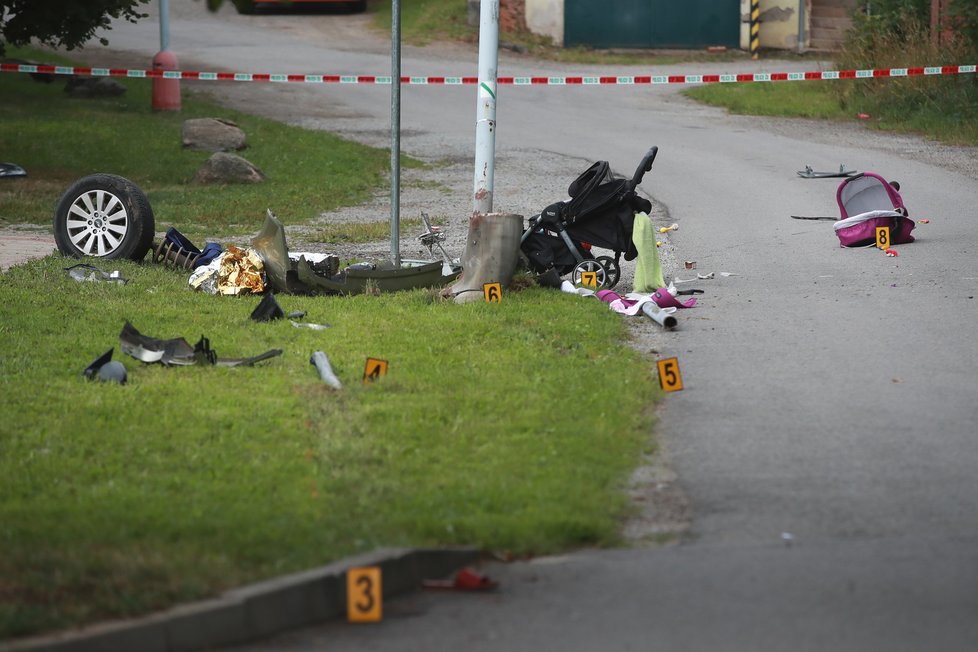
(652, 23)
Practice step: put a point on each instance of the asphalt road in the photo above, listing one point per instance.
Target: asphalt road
(830, 394)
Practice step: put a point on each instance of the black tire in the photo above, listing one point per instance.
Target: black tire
(612, 269)
(104, 216)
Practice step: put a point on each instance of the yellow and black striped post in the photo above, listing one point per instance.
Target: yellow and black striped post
(755, 29)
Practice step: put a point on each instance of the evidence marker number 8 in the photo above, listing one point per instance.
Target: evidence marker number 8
(882, 237)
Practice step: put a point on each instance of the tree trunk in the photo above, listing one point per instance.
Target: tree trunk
(492, 252)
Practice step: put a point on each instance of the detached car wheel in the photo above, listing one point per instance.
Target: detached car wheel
(105, 216)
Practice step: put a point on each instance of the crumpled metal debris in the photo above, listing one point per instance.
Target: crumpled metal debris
(177, 352)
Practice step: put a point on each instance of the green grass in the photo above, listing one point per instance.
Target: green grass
(808, 99)
(941, 109)
(508, 426)
(58, 139)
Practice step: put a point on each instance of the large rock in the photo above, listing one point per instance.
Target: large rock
(223, 167)
(212, 135)
(86, 87)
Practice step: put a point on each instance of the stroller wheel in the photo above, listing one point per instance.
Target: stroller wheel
(611, 268)
(582, 274)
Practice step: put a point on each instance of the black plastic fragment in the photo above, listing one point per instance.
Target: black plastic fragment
(268, 309)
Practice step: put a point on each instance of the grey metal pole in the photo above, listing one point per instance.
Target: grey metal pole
(485, 130)
(164, 25)
(395, 133)
(801, 26)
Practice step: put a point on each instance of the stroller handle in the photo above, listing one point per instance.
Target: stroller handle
(645, 165)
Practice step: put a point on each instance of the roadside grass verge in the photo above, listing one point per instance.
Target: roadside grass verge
(943, 108)
(509, 426)
(58, 139)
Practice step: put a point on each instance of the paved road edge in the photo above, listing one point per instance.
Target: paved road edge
(254, 611)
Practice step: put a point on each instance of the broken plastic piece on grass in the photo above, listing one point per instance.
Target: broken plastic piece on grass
(204, 353)
(178, 352)
(296, 314)
(891, 252)
(92, 369)
(82, 272)
(149, 349)
(267, 309)
(467, 579)
(12, 170)
(690, 264)
(309, 325)
(667, 229)
(321, 362)
(113, 372)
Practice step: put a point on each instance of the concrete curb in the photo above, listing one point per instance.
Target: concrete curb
(255, 611)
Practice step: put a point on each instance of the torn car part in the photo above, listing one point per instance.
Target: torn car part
(433, 237)
(177, 352)
(12, 170)
(176, 251)
(267, 309)
(321, 362)
(311, 275)
(92, 370)
(149, 349)
(205, 354)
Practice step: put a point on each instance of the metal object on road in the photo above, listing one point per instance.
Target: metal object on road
(665, 319)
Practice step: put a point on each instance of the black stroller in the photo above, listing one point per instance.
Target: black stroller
(600, 213)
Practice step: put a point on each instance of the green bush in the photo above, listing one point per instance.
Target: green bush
(896, 34)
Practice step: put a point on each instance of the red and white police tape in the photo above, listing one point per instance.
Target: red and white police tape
(620, 80)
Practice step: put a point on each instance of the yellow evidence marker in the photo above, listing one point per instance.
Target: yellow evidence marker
(364, 595)
(883, 237)
(493, 292)
(669, 377)
(374, 369)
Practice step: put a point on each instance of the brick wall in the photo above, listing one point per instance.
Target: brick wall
(512, 15)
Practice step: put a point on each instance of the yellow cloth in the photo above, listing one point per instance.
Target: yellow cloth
(648, 269)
